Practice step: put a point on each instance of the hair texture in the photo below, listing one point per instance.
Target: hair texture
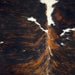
(25, 49)
(63, 47)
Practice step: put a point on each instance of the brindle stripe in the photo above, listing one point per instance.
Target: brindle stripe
(63, 47)
(27, 48)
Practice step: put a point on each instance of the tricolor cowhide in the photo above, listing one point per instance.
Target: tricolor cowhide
(62, 38)
(25, 49)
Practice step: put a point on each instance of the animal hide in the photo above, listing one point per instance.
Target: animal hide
(25, 49)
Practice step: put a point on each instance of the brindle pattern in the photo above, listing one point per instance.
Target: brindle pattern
(63, 59)
(24, 51)
(25, 47)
